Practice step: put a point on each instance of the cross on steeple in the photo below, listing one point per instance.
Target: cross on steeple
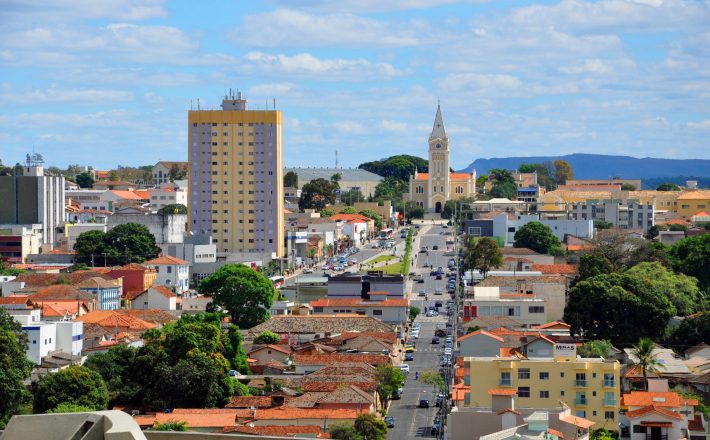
(438, 132)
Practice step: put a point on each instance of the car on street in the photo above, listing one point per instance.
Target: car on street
(353, 261)
(338, 267)
(404, 368)
(438, 304)
(434, 340)
(416, 226)
(375, 245)
(396, 395)
(325, 267)
(423, 402)
(389, 420)
(438, 276)
(435, 248)
(432, 313)
(408, 357)
(308, 270)
(422, 293)
(440, 332)
(438, 291)
(423, 249)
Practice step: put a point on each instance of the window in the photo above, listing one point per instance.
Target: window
(609, 380)
(544, 375)
(377, 312)
(523, 392)
(581, 379)
(170, 269)
(475, 231)
(536, 309)
(581, 413)
(524, 373)
(505, 379)
(544, 394)
(609, 415)
(638, 429)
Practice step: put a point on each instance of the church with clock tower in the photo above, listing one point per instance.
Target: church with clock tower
(432, 189)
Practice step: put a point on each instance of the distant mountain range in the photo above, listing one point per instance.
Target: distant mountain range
(600, 166)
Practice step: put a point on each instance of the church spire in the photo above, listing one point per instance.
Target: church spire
(438, 132)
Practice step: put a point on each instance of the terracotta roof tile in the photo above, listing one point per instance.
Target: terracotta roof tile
(47, 279)
(166, 260)
(280, 431)
(564, 269)
(502, 392)
(321, 324)
(658, 399)
(577, 421)
(652, 408)
(114, 318)
(15, 300)
(59, 292)
(330, 359)
(272, 347)
(284, 413)
(552, 324)
(249, 401)
(128, 195)
(480, 332)
(356, 302)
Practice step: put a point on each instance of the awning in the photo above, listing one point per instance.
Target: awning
(657, 424)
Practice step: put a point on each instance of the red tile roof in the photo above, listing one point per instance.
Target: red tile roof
(422, 176)
(502, 392)
(460, 176)
(577, 421)
(163, 291)
(658, 399)
(166, 260)
(285, 413)
(555, 433)
(249, 401)
(480, 332)
(272, 347)
(552, 325)
(564, 269)
(279, 431)
(356, 302)
(329, 359)
(15, 300)
(114, 318)
(651, 408)
(60, 308)
(349, 217)
(128, 195)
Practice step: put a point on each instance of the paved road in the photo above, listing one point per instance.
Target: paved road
(411, 421)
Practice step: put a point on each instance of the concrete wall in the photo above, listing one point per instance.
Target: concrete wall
(165, 228)
(479, 345)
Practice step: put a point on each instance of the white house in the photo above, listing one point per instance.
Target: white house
(156, 297)
(525, 308)
(390, 310)
(167, 194)
(356, 230)
(46, 337)
(172, 272)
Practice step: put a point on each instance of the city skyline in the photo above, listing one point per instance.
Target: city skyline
(514, 78)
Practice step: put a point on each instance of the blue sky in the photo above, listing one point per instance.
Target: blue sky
(109, 82)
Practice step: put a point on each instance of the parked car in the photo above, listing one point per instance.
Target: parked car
(308, 270)
(440, 332)
(438, 291)
(389, 420)
(434, 340)
(438, 276)
(396, 395)
(409, 357)
(325, 267)
(404, 368)
(435, 248)
(424, 403)
(375, 245)
(422, 293)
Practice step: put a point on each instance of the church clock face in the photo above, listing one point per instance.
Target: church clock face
(438, 146)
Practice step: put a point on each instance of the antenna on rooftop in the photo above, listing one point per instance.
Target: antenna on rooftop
(336, 159)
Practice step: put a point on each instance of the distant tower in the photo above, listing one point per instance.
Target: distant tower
(336, 159)
(439, 179)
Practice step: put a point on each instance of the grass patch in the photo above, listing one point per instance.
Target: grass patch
(382, 258)
(391, 269)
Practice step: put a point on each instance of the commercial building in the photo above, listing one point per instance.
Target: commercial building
(588, 386)
(161, 171)
(431, 190)
(19, 241)
(32, 199)
(167, 194)
(622, 214)
(506, 224)
(524, 308)
(350, 179)
(691, 203)
(390, 310)
(236, 177)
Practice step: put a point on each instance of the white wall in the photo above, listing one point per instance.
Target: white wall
(70, 336)
(173, 275)
(154, 300)
(42, 339)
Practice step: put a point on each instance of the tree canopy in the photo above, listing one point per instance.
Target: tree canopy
(370, 427)
(267, 337)
(536, 236)
(390, 188)
(692, 330)
(503, 183)
(680, 289)
(126, 243)
(374, 216)
(389, 379)
(14, 367)
(691, 256)
(291, 179)
(174, 208)
(75, 385)
(85, 180)
(317, 194)
(563, 171)
(400, 167)
(245, 293)
(595, 348)
(481, 254)
(666, 186)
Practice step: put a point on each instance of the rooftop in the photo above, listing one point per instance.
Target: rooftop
(347, 174)
(356, 302)
(326, 324)
(167, 260)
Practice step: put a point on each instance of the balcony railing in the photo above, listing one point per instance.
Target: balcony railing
(609, 384)
(580, 401)
(580, 383)
(650, 436)
(609, 402)
(506, 382)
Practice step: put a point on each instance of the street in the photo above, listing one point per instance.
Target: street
(410, 420)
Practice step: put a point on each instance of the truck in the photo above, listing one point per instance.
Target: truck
(472, 277)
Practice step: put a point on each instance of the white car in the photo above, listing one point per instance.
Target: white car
(375, 245)
(404, 368)
(447, 351)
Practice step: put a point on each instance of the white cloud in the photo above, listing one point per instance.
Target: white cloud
(305, 65)
(364, 6)
(349, 127)
(479, 82)
(597, 66)
(288, 28)
(700, 125)
(12, 95)
(18, 11)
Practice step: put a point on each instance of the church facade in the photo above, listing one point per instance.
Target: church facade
(431, 190)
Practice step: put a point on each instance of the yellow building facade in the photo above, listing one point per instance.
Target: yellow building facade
(431, 190)
(589, 386)
(693, 202)
(561, 199)
(236, 177)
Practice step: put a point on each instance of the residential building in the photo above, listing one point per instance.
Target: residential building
(471, 211)
(33, 199)
(525, 308)
(236, 177)
(108, 292)
(171, 272)
(550, 288)
(621, 214)
(167, 194)
(350, 179)
(169, 228)
(156, 297)
(390, 310)
(266, 354)
(693, 202)
(89, 199)
(660, 414)
(348, 285)
(195, 249)
(304, 328)
(47, 337)
(636, 183)
(161, 171)
(19, 241)
(506, 224)
(588, 386)
(432, 190)
(135, 277)
(117, 185)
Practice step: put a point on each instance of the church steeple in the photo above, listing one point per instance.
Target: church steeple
(438, 132)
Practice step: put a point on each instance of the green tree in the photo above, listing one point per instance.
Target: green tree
(602, 434)
(327, 213)
(89, 246)
(85, 180)
(682, 290)
(352, 196)
(113, 175)
(170, 425)
(400, 167)
(691, 256)
(481, 182)
(73, 385)
(563, 171)
(431, 377)
(472, 329)
(628, 187)
(126, 243)
(414, 312)
(503, 183)
(348, 210)
(199, 380)
(390, 188)
(245, 293)
(343, 431)
(481, 254)
(601, 224)
(185, 338)
(177, 173)
(267, 337)
(450, 205)
(369, 427)
(389, 379)
(412, 212)
(234, 352)
(15, 368)
(291, 180)
(317, 194)
(593, 264)
(618, 307)
(668, 187)
(175, 208)
(595, 348)
(526, 168)
(536, 236)
(337, 177)
(5, 170)
(66, 407)
(116, 366)
(692, 330)
(646, 358)
(374, 216)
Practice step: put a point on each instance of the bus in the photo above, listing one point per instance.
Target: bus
(277, 281)
(386, 234)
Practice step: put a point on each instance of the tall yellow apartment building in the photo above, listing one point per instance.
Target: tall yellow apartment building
(236, 177)
(589, 386)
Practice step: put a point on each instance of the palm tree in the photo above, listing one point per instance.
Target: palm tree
(646, 358)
